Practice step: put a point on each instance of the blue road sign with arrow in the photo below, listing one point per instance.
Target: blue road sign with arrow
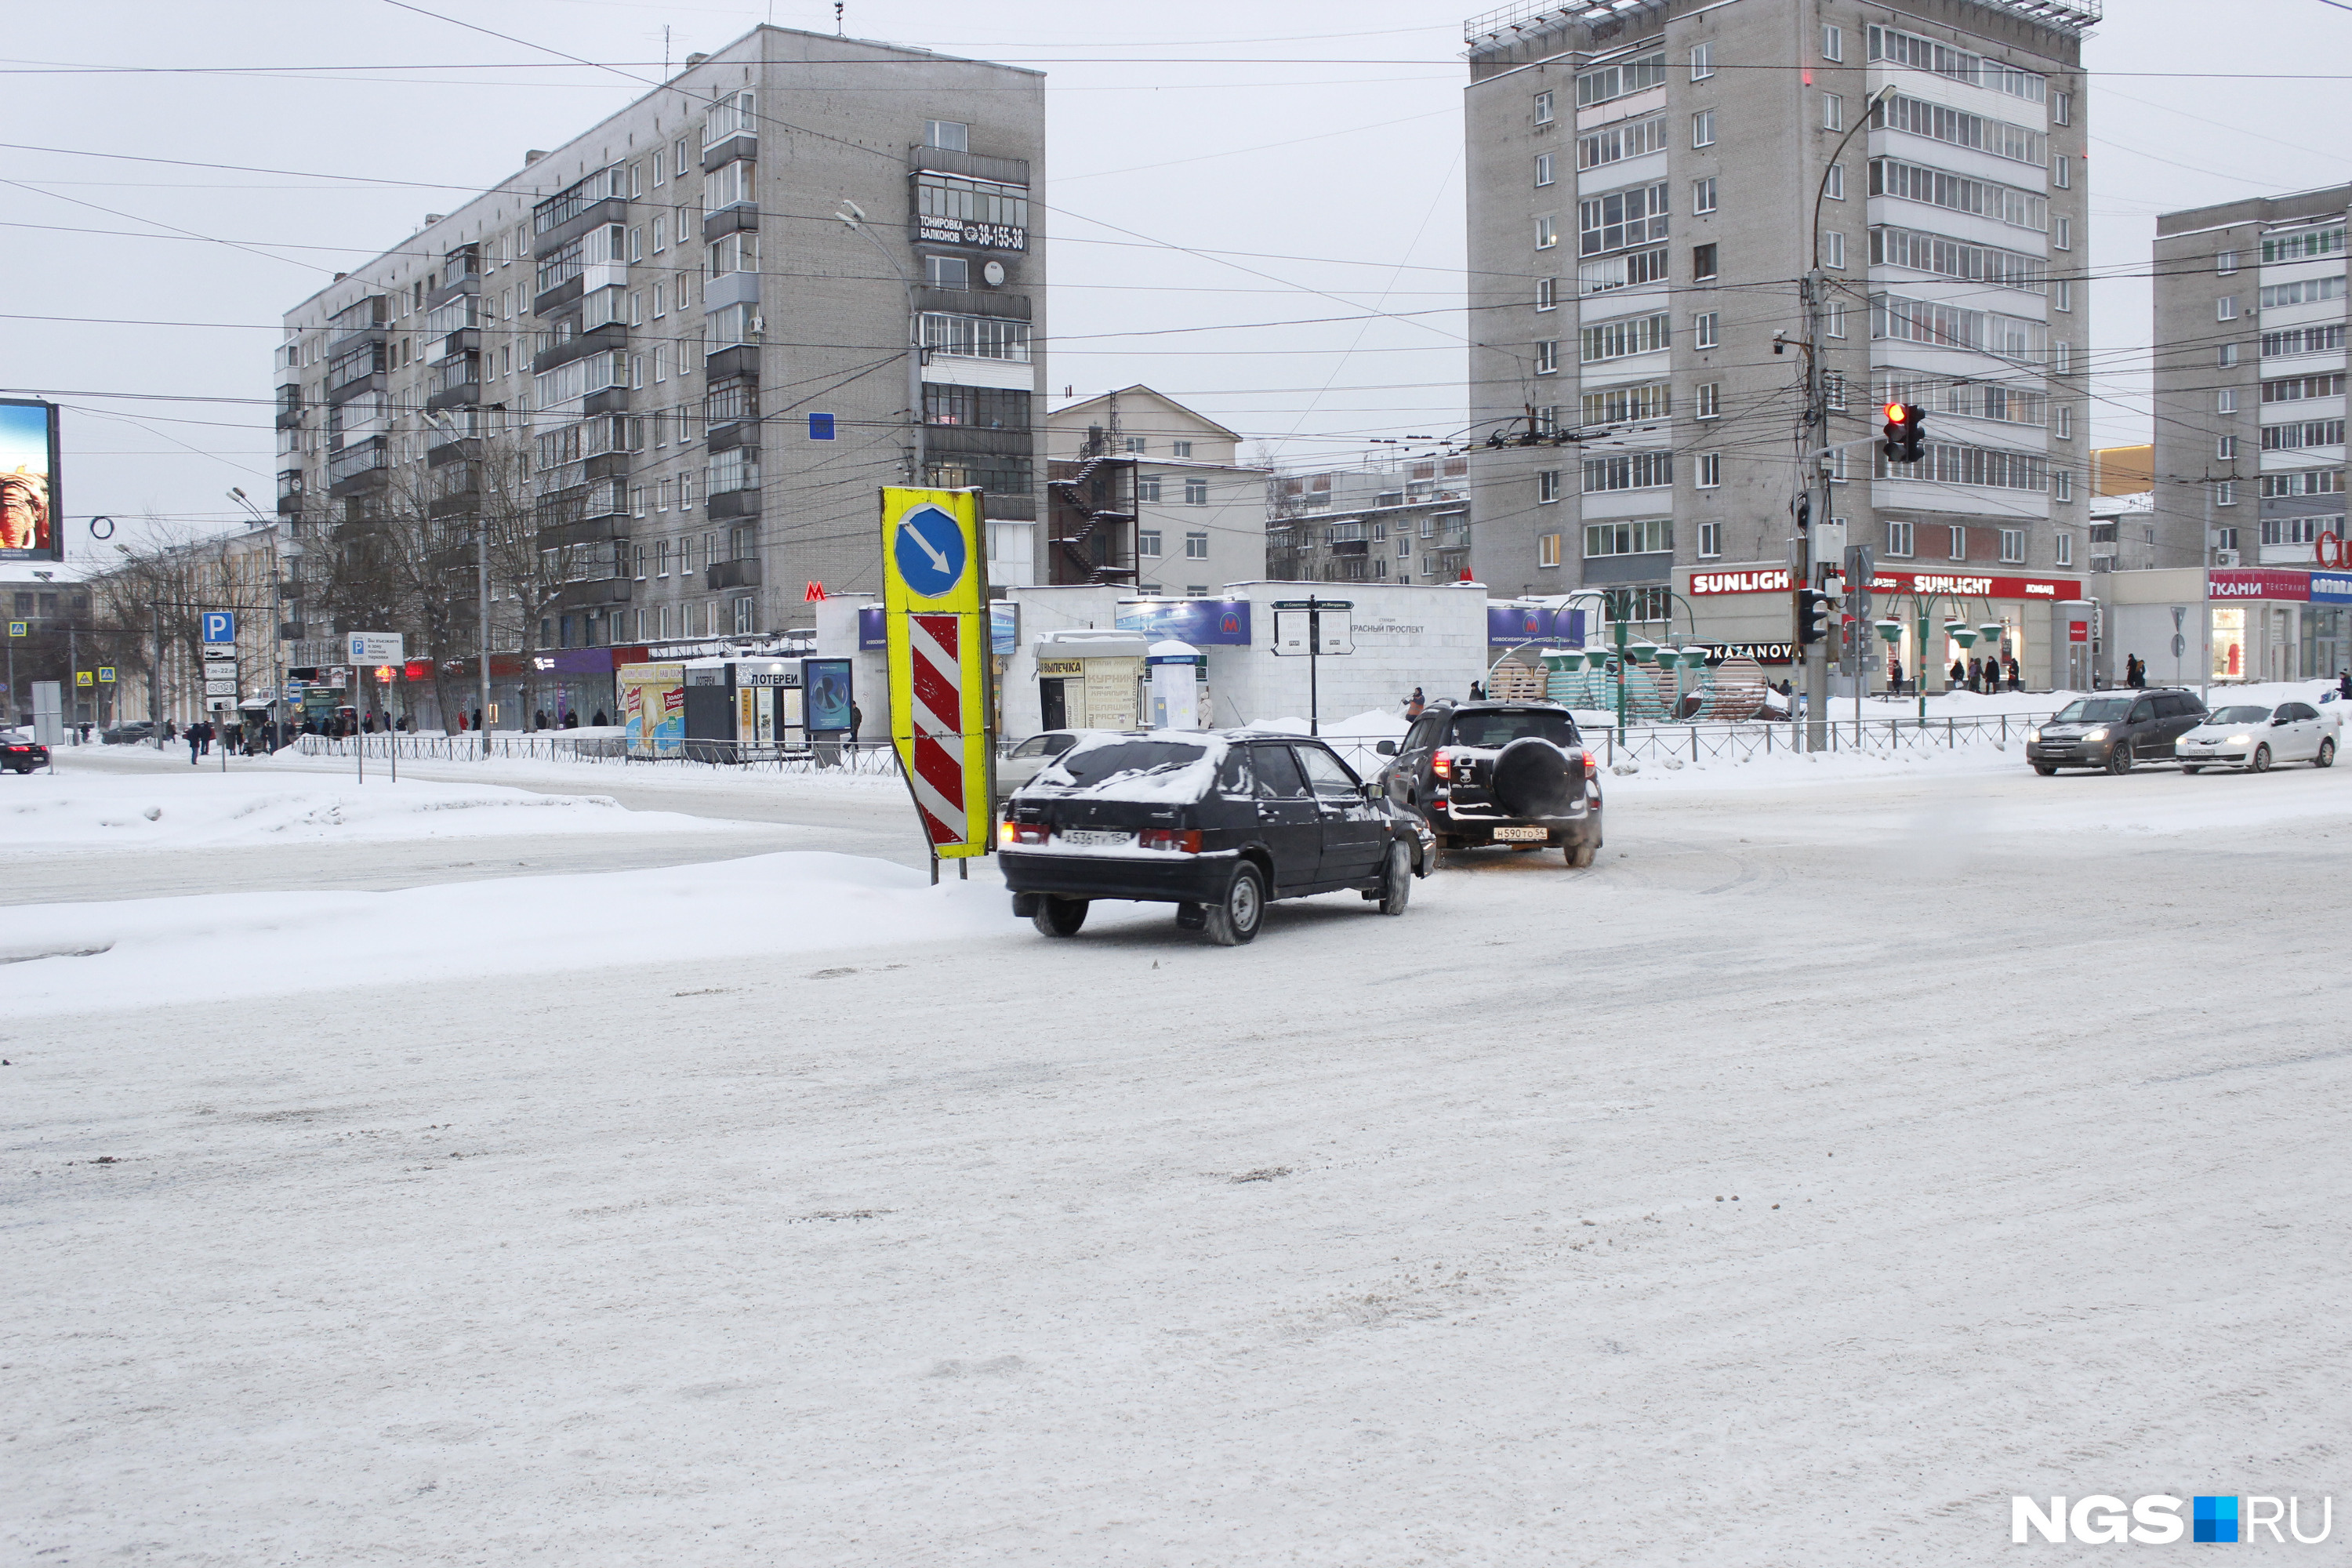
(930, 552)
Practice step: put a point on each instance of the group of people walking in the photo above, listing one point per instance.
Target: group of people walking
(1988, 675)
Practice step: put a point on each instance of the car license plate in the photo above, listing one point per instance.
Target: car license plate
(1521, 834)
(1090, 838)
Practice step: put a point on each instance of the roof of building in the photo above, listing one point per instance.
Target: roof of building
(1138, 389)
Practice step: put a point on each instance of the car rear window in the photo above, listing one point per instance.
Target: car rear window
(1500, 727)
(1092, 764)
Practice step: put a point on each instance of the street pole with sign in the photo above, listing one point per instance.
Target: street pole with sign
(1341, 642)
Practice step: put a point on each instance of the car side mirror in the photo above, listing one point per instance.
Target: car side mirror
(1386, 748)
(1373, 792)
(2282, 721)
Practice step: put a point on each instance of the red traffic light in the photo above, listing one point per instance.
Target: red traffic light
(1896, 412)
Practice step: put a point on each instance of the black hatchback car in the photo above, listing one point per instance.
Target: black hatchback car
(20, 753)
(2113, 731)
(1216, 823)
(1499, 773)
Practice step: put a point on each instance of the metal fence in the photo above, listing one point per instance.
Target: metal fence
(867, 757)
(1761, 738)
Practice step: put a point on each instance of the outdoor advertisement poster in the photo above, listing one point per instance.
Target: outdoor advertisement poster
(830, 694)
(29, 520)
(1204, 623)
(652, 708)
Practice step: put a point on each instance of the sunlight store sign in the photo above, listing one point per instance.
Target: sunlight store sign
(1962, 584)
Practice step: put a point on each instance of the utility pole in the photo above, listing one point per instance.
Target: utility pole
(2205, 610)
(853, 216)
(1815, 509)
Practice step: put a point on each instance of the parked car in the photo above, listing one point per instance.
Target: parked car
(1022, 763)
(20, 753)
(2113, 731)
(1499, 772)
(137, 732)
(2252, 736)
(1217, 824)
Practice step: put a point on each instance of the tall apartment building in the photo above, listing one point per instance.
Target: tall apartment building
(1198, 512)
(1645, 176)
(1403, 522)
(662, 342)
(2250, 318)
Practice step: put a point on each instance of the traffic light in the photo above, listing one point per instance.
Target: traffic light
(1905, 431)
(1814, 611)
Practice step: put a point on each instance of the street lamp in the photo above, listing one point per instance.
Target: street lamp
(853, 217)
(482, 573)
(277, 645)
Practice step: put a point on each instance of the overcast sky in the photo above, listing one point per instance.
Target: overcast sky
(1212, 166)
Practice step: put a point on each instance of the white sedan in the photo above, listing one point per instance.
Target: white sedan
(1028, 760)
(2253, 737)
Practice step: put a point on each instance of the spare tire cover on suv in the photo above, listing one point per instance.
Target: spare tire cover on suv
(1535, 778)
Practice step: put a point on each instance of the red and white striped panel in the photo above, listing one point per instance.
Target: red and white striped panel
(934, 644)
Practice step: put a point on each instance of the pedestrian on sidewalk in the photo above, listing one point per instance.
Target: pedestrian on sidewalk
(195, 742)
(1960, 674)
(856, 717)
(1415, 704)
(1477, 692)
(2016, 682)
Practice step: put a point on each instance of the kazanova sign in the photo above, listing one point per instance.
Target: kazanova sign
(1775, 580)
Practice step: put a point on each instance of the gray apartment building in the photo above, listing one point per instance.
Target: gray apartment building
(662, 339)
(1404, 521)
(1645, 176)
(2250, 318)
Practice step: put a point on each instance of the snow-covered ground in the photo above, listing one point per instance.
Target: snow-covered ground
(1858, 1144)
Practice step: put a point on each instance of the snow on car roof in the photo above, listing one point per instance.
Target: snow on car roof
(1166, 765)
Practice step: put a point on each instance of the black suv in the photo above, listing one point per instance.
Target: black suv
(2113, 731)
(1499, 772)
(1216, 823)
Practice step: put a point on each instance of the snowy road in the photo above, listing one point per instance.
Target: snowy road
(1826, 1166)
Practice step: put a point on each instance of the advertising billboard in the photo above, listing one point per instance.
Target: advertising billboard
(1204, 623)
(31, 528)
(830, 699)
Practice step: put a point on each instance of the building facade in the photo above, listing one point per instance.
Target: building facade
(1198, 512)
(664, 365)
(1644, 180)
(1406, 522)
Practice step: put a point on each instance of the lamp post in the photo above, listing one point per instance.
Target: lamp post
(853, 217)
(277, 645)
(482, 588)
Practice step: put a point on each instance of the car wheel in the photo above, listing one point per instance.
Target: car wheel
(2045, 769)
(2190, 768)
(1581, 855)
(2119, 758)
(2326, 757)
(2261, 759)
(1235, 918)
(1396, 879)
(1060, 917)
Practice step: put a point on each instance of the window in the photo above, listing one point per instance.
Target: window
(972, 212)
(1620, 219)
(1701, 61)
(2304, 245)
(2062, 546)
(1146, 542)
(1835, 318)
(948, 135)
(1959, 551)
(1703, 195)
(2305, 433)
(2063, 239)
(1547, 293)
(1898, 539)
(2295, 340)
(1649, 537)
(2062, 108)
(2012, 546)
(2226, 400)
(1133, 445)
(1704, 327)
(2309, 291)
(1547, 233)
(2299, 530)
(976, 337)
(1547, 487)
(2225, 309)
(2065, 425)
(1833, 43)
(1702, 263)
(1627, 405)
(1835, 186)
(1707, 400)
(1836, 380)
(2225, 262)
(1179, 448)
(1923, 183)
(2226, 447)
(1702, 128)
(1147, 487)
(1630, 270)
(1547, 550)
(945, 272)
(2062, 359)
(2227, 354)
(2293, 389)
(1543, 109)
(1627, 138)
(1629, 471)
(2307, 482)
(1404, 543)
(1710, 470)
(2225, 493)
(1834, 248)
(1633, 335)
(2062, 484)
(1616, 81)
(1196, 547)
(2062, 170)
(1926, 55)
(1196, 492)
(1543, 168)
(1833, 112)
(1548, 356)
(1711, 540)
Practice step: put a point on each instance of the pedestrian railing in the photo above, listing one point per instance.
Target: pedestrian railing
(868, 757)
(1759, 738)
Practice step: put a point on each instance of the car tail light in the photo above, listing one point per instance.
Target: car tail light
(1442, 765)
(1026, 833)
(1178, 840)
(1588, 764)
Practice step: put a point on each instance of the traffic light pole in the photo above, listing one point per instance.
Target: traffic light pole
(1808, 566)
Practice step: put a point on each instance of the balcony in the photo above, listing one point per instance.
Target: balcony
(602, 197)
(290, 406)
(357, 469)
(580, 346)
(587, 595)
(743, 574)
(973, 303)
(737, 362)
(1351, 547)
(733, 503)
(728, 220)
(968, 165)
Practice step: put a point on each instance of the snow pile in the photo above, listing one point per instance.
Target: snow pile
(84, 808)
(59, 958)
